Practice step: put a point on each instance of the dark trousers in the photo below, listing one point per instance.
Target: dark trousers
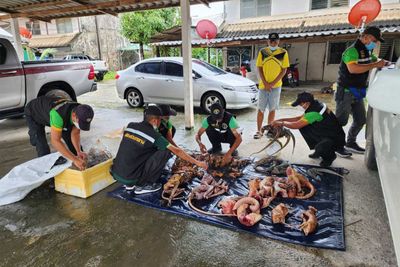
(347, 104)
(325, 149)
(152, 168)
(37, 136)
(216, 138)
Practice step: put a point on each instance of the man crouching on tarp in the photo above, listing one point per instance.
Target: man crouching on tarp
(319, 127)
(143, 153)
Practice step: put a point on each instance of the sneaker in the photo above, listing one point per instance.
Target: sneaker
(343, 153)
(313, 156)
(147, 189)
(326, 163)
(354, 147)
(129, 188)
(214, 150)
(235, 153)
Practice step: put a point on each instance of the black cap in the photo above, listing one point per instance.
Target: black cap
(167, 110)
(273, 36)
(217, 111)
(374, 31)
(85, 115)
(153, 109)
(302, 98)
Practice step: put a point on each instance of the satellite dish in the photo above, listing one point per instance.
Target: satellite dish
(364, 12)
(24, 32)
(206, 29)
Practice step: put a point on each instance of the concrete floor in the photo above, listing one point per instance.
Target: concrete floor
(53, 229)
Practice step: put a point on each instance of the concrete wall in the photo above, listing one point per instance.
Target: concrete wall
(299, 51)
(281, 7)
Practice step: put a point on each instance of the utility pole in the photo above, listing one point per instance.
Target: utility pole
(97, 36)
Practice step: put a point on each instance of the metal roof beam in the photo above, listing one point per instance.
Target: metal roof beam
(101, 11)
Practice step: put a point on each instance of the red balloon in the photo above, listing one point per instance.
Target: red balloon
(206, 29)
(365, 8)
(24, 32)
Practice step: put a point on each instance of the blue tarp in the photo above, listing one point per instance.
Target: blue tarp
(328, 200)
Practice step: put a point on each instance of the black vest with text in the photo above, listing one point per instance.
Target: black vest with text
(222, 126)
(347, 79)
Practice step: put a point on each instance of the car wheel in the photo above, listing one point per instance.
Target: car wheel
(211, 98)
(369, 156)
(134, 98)
(59, 94)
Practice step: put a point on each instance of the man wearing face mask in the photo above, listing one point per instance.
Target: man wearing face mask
(272, 62)
(66, 119)
(319, 128)
(357, 61)
(143, 153)
(220, 127)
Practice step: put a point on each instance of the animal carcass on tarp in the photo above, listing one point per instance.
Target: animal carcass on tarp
(328, 200)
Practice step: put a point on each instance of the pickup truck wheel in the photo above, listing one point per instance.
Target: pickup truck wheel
(134, 98)
(58, 93)
(369, 156)
(211, 98)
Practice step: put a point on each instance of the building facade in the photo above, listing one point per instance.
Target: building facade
(96, 36)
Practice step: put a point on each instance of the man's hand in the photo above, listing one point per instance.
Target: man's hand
(82, 155)
(203, 148)
(277, 123)
(268, 86)
(79, 163)
(227, 159)
(202, 165)
(381, 63)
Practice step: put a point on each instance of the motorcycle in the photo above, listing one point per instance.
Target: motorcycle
(291, 77)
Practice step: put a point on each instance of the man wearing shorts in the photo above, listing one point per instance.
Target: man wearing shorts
(272, 62)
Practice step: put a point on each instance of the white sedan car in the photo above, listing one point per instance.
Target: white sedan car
(160, 80)
(383, 140)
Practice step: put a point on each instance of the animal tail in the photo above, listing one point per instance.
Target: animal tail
(206, 212)
(309, 195)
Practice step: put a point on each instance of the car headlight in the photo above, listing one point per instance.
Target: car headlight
(226, 87)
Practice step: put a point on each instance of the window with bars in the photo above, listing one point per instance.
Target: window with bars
(33, 27)
(255, 8)
(64, 25)
(336, 50)
(321, 4)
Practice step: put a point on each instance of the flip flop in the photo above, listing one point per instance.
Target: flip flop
(257, 135)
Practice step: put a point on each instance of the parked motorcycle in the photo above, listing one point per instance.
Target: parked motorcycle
(291, 77)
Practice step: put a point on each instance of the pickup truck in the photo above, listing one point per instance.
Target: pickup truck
(23, 81)
(100, 66)
(382, 149)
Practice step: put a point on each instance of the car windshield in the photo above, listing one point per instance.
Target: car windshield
(207, 69)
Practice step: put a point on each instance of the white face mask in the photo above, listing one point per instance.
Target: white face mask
(76, 125)
(273, 48)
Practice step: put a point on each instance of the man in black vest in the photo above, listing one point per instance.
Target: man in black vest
(319, 128)
(66, 119)
(143, 153)
(357, 61)
(220, 127)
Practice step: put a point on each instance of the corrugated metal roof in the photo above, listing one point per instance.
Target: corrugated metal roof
(50, 41)
(295, 26)
(304, 24)
(52, 9)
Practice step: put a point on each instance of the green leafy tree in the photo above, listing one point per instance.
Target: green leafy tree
(139, 26)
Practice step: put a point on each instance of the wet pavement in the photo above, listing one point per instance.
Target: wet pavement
(52, 229)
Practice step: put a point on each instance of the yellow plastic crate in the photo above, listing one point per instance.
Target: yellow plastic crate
(84, 183)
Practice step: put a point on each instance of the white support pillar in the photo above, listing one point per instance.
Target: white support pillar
(17, 38)
(187, 63)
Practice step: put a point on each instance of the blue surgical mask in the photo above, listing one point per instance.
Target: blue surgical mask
(273, 48)
(371, 46)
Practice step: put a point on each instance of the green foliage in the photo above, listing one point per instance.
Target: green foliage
(201, 53)
(140, 26)
(47, 52)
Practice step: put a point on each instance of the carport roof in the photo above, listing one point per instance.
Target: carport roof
(53, 9)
